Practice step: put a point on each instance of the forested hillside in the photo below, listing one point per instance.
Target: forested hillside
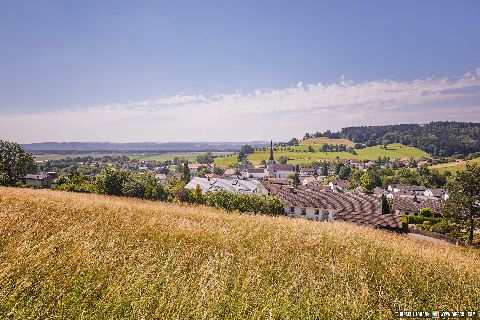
(436, 138)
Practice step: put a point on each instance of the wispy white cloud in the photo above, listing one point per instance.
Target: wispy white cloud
(258, 115)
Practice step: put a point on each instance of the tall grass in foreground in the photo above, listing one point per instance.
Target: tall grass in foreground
(65, 255)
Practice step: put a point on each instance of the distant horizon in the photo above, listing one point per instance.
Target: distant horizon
(226, 141)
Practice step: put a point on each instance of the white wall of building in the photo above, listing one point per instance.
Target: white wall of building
(311, 213)
(282, 174)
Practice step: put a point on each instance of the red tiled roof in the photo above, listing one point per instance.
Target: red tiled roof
(273, 188)
(283, 167)
(375, 220)
(405, 203)
(327, 199)
(253, 170)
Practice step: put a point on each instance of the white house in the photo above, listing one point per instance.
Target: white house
(231, 185)
(280, 170)
(256, 173)
(340, 185)
(407, 189)
(40, 180)
(436, 193)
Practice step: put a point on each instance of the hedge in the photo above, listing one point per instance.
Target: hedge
(420, 219)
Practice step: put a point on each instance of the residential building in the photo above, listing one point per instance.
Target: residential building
(256, 173)
(411, 205)
(308, 181)
(327, 205)
(40, 180)
(194, 167)
(282, 171)
(230, 185)
(229, 172)
(339, 185)
(307, 172)
(436, 193)
(407, 189)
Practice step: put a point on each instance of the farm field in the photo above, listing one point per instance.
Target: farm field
(370, 153)
(230, 160)
(190, 156)
(454, 166)
(45, 157)
(68, 255)
(322, 140)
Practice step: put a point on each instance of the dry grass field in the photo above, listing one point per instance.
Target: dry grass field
(66, 255)
(454, 166)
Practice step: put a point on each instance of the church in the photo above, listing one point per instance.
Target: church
(278, 170)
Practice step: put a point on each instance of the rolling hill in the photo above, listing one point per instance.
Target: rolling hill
(66, 255)
(299, 155)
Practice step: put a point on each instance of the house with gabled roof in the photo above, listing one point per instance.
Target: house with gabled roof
(411, 205)
(230, 185)
(340, 185)
(327, 205)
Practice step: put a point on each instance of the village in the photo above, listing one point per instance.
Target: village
(310, 192)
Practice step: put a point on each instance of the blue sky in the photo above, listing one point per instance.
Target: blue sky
(239, 62)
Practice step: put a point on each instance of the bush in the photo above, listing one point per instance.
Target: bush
(76, 183)
(143, 186)
(255, 203)
(426, 212)
(404, 224)
(425, 225)
(420, 220)
(441, 227)
(112, 181)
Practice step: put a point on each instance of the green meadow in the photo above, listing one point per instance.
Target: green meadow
(300, 155)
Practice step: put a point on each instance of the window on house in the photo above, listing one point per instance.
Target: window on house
(317, 212)
(304, 211)
(292, 210)
(325, 214)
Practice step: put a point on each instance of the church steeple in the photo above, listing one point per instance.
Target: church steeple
(271, 150)
(271, 162)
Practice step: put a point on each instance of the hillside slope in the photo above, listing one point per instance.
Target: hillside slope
(71, 255)
(454, 166)
(396, 150)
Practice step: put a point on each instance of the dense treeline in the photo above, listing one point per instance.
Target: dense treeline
(437, 138)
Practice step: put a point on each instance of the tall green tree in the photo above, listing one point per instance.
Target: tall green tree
(112, 181)
(185, 173)
(296, 179)
(283, 160)
(206, 158)
(386, 205)
(244, 152)
(198, 195)
(463, 204)
(367, 181)
(15, 163)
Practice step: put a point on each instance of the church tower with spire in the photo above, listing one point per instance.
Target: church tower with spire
(271, 162)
